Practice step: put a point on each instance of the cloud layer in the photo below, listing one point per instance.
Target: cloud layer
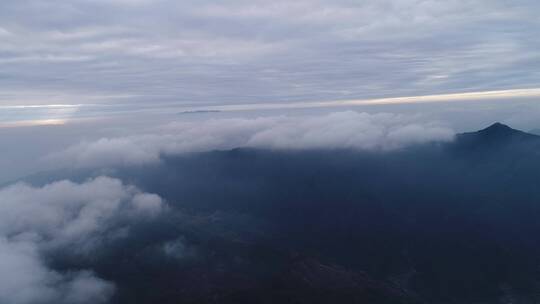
(69, 219)
(340, 130)
(258, 51)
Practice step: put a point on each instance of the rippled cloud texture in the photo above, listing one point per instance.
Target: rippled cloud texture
(72, 52)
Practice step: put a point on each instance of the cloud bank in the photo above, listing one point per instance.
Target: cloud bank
(340, 130)
(63, 218)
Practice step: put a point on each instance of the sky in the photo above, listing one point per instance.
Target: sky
(99, 85)
(73, 72)
(235, 52)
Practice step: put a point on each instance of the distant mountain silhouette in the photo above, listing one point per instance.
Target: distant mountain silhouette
(497, 135)
(498, 131)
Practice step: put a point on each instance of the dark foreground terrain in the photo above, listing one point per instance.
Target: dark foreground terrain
(440, 223)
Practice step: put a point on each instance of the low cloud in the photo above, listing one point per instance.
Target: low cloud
(66, 218)
(340, 130)
(27, 280)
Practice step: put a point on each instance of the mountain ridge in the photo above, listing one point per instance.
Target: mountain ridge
(497, 135)
(499, 130)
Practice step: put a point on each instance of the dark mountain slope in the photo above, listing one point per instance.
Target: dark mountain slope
(498, 132)
(442, 223)
(495, 136)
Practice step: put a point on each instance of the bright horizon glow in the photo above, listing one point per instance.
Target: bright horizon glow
(34, 123)
(60, 117)
(468, 96)
(45, 106)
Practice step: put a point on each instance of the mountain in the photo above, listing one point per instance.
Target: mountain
(449, 223)
(496, 133)
(494, 138)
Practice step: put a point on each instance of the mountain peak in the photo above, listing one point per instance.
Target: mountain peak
(499, 125)
(498, 129)
(495, 134)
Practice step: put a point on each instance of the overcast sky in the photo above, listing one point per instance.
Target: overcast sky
(197, 52)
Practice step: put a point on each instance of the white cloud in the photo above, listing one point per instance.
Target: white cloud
(348, 130)
(66, 217)
(25, 279)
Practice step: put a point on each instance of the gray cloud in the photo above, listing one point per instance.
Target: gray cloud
(68, 218)
(244, 51)
(27, 280)
(347, 130)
